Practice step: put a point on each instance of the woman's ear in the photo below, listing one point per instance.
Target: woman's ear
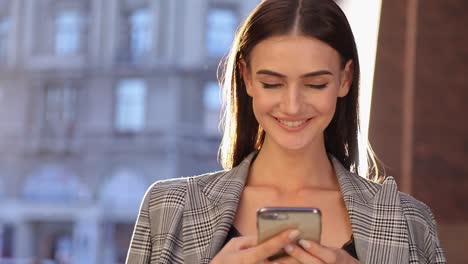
(246, 76)
(346, 79)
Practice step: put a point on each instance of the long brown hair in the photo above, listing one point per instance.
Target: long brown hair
(320, 19)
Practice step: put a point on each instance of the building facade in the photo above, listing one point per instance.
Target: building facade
(98, 99)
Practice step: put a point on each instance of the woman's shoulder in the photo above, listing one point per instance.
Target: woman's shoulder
(412, 207)
(408, 202)
(179, 186)
(389, 187)
(417, 211)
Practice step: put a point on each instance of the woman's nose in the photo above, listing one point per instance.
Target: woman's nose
(292, 101)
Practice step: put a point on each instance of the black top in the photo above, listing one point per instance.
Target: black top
(348, 246)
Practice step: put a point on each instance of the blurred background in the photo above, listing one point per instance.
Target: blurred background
(100, 98)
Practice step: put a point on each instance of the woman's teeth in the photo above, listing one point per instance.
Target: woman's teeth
(292, 123)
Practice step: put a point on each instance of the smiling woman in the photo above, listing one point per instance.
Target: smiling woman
(291, 84)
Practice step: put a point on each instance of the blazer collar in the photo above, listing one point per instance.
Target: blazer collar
(229, 185)
(374, 210)
(220, 193)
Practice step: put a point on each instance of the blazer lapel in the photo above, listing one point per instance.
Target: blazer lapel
(210, 210)
(379, 228)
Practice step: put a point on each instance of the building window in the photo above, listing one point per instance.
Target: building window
(212, 107)
(4, 32)
(140, 31)
(68, 32)
(136, 38)
(221, 28)
(130, 105)
(60, 109)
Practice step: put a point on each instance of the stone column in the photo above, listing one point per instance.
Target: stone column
(86, 239)
(23, 240)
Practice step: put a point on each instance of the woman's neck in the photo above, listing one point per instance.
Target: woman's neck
(290, 171)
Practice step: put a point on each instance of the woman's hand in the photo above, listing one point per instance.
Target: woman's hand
(244, 250)
(314, 253)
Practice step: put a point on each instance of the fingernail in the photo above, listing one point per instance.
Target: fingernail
(288, 248)
(294, 234)
(304, 244)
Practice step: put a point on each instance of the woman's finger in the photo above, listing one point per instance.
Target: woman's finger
(301, 255)
(272, 246)
(326, 254)
(242, 242)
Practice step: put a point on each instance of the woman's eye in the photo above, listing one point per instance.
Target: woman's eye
(317, 86)
(270, 85)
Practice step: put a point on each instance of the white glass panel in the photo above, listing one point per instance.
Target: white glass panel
(212, 106)
(222, 24)
(211, 96)
(131, 105)
(140, 33)
(68, 26)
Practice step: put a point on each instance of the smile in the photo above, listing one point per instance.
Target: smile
(297, 124)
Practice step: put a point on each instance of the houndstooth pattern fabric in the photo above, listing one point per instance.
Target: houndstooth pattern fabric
(186, 220)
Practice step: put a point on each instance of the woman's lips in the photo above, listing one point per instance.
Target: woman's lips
(293, 125)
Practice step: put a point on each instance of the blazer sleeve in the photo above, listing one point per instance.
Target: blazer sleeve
(433, 238)
(425, 246)
(140, 246)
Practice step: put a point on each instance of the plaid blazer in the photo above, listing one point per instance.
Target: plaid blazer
(186, 220)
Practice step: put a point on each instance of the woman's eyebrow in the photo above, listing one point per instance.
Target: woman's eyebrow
(269, 72)
(316, 73)
(309, 74)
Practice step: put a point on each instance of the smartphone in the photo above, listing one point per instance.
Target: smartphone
(274, 220)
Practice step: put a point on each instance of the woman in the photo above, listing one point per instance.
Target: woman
(290, 139)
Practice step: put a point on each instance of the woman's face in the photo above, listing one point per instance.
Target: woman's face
(294, 82)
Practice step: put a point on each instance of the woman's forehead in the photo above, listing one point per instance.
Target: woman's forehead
(294, 51)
